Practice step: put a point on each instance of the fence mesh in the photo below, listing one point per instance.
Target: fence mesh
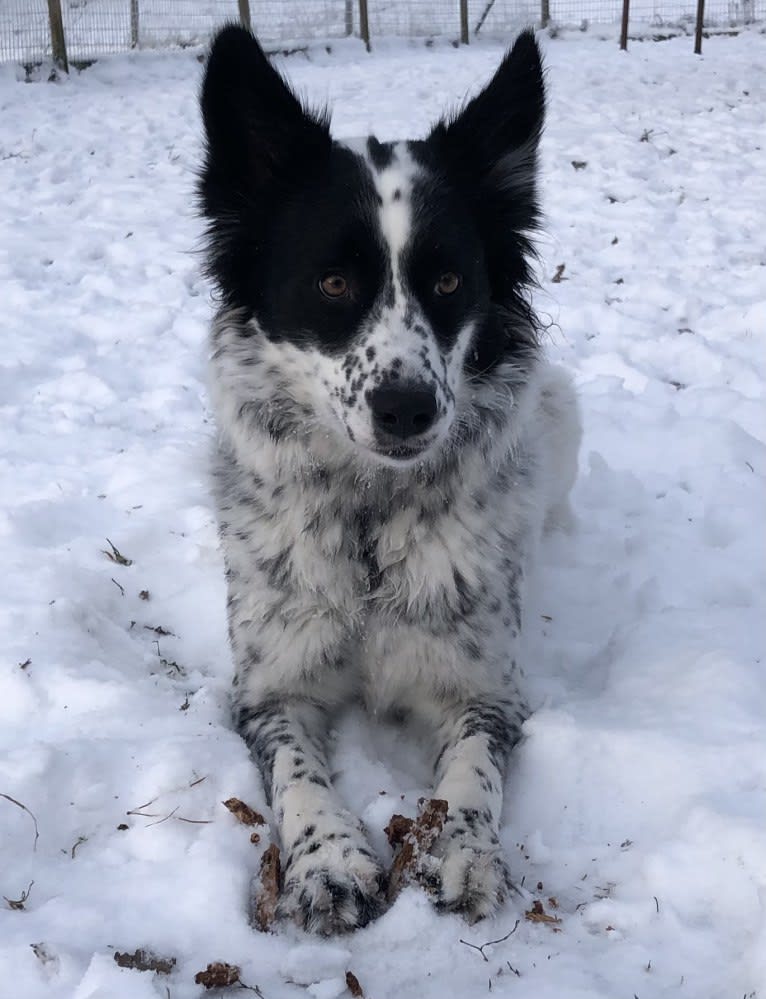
(24, 30)
(97, 27)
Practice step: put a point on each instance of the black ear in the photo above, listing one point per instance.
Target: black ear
(257, 130)
(493, 140)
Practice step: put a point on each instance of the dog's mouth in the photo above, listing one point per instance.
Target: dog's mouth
(403, 453)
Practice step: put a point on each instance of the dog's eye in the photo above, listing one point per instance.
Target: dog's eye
(448, 283)
(333, 286)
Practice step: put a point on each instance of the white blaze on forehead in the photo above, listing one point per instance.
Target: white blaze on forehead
(394, 185)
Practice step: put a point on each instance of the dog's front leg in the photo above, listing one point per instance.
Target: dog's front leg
(475, 740)
(332, 881)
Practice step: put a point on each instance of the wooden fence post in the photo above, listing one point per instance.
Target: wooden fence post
(134, 31)
(244, 14)
(364, 23)
(464, 22)
(624, 26)
(58, 41)
(349, 17)
(545, 13)
(698, 27)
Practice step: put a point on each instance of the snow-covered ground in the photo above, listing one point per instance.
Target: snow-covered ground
(638, 800)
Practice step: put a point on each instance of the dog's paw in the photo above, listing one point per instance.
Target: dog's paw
(470, 875)
(333, 887)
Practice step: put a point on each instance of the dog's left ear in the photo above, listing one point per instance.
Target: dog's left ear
(493, 140)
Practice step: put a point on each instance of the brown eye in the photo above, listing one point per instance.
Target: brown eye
(333, 286)
(448, 283)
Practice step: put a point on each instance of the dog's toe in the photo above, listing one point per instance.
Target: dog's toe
(333, 895)
(471, 878)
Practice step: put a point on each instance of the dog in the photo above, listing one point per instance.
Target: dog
(391, 442)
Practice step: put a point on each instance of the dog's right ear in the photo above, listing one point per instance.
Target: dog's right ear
(257, 130)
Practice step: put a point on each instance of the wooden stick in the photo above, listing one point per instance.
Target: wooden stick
(364, 23)
(58, 41)
(134, 24)
(698, 28)
(624, 28)
(244, 14)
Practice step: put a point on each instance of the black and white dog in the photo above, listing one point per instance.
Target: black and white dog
(391, 443)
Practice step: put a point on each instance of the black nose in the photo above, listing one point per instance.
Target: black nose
(403, 410)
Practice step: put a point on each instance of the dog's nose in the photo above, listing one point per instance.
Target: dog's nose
(403, 410)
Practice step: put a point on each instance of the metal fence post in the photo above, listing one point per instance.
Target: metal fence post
(480, 23)
(349, 17)
(364, 23)
(698, 27)
(624, 27)
(244, 14)
(464, 22)
(58, 41)
(134, 24)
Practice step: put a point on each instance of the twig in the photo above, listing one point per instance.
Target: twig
(18, 903)
(116, 556)
(490, 4)
(19, 805)
(489, 943)
(120, 588)
(80, 841)
(140, 808)
(165, 819)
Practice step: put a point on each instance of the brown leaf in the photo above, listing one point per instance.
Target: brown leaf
(397, 829)
(218, 975)
(267, 894)
(558, 277)
(353, 986)
(145, 960)
(537, 914)
(244, 813)
(579, 164)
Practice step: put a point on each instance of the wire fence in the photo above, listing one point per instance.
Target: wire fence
(91, 28)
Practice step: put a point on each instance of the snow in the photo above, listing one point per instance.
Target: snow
(638, 798)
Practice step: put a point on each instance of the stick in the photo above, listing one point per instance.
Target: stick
(19, 805)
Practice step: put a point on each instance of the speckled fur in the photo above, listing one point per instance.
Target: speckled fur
(397, 584)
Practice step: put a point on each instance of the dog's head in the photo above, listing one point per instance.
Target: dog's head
(380, 286)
